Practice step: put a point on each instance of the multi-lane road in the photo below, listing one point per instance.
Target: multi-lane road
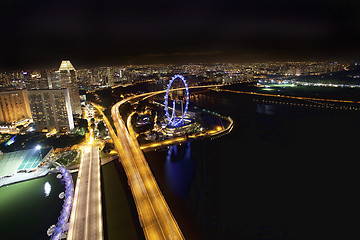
(290, 97)
(155, 216)
(86, 216)
(154, 213)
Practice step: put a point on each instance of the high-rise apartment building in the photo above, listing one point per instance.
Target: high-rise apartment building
(37, 80)
(110, 77)
(14, 106)
(51, 109)
(65, 77)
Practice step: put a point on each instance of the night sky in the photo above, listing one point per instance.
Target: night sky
(39, 34)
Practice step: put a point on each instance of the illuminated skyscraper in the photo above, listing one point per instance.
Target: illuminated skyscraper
(110, 77)
(66, 66)
(51, 109)
(65, 77)
(14, 106)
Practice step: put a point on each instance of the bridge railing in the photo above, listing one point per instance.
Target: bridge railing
(68, 201)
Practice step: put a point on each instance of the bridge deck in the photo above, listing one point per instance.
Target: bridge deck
(86, 217)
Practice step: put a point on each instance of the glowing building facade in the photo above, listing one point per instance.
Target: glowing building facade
(14, 106)
(51, 109)
(65, 77)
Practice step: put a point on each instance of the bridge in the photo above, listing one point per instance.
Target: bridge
(154, 213)
(155, 216)
(86, 216)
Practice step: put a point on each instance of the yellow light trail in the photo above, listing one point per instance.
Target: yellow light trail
(290, 97)
(154, 213)
(84, 221)
(176, 140)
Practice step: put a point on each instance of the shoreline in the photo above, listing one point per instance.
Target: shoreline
(22, 177)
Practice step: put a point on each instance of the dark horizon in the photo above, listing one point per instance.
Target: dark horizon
(38, 35)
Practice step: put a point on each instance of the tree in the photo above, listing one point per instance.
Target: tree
(108, 147)
(83, 124)
(102, 128)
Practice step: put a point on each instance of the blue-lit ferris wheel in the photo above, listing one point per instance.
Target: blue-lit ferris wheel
(173, 120)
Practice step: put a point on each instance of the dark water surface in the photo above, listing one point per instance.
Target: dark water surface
(25, 210)
(119, 211)
(284, 172)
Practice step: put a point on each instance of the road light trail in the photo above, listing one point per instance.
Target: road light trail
(154, 213)
(290, 97)
(145, 190)
(86, 216)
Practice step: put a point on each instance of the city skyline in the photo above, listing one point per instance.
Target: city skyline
(150, 137)
(39, 35)
(209, 119)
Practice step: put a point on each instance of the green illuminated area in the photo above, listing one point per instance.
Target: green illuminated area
(269, 87)
(26, 211)
(12, 162)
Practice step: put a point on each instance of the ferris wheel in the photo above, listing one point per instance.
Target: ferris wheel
(174, 120)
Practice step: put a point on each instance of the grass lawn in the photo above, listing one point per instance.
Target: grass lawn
(69, 159)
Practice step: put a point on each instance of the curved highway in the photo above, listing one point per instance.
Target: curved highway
(154, 213)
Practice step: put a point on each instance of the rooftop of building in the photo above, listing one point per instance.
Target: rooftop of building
(66, 66)
(27, 160)
(10, 90)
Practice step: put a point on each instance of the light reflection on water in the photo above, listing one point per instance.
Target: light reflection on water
(265, 109)
(265, 176)
(179, 170)
(26, 206)
(47, 189)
